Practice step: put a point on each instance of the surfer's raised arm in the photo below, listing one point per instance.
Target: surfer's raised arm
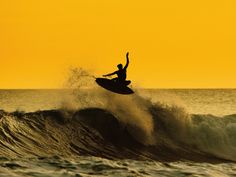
(109, 74)
(127, 60)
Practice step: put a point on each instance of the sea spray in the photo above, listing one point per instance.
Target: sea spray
(127, 108)
(151, 122)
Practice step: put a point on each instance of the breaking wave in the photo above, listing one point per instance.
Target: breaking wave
(103, 124)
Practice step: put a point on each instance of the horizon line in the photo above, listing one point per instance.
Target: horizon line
(136, 88)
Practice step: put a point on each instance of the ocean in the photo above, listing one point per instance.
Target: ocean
(93, 132)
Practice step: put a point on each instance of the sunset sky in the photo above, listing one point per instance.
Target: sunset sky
(172, 43)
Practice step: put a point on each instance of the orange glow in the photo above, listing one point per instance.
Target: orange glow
(172, 44)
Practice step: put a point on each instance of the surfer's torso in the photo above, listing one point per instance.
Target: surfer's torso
(121, 73)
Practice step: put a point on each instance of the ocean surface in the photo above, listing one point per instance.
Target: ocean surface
(93, 132)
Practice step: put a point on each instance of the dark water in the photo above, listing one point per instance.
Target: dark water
(94, 132)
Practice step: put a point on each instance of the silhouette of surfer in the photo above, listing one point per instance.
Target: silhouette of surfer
(121, 73)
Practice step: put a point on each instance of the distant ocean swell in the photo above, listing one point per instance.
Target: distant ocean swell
(120, 127)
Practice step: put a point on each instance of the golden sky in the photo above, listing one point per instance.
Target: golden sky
(172, 43)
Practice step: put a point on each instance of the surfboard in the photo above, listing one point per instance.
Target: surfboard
(114, 86)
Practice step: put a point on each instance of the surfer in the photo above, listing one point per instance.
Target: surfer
(121, 72)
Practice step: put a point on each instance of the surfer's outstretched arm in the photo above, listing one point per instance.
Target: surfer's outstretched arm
(127, 60)
(110, 74)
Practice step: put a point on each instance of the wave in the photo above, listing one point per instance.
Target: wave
(107, 125)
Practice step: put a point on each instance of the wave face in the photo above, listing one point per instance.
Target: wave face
(111, 126)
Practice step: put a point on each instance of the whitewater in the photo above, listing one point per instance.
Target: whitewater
(84, 132)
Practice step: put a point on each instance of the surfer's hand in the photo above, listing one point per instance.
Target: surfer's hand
(127, 54)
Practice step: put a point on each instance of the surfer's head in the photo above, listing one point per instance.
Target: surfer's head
(120, 66)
